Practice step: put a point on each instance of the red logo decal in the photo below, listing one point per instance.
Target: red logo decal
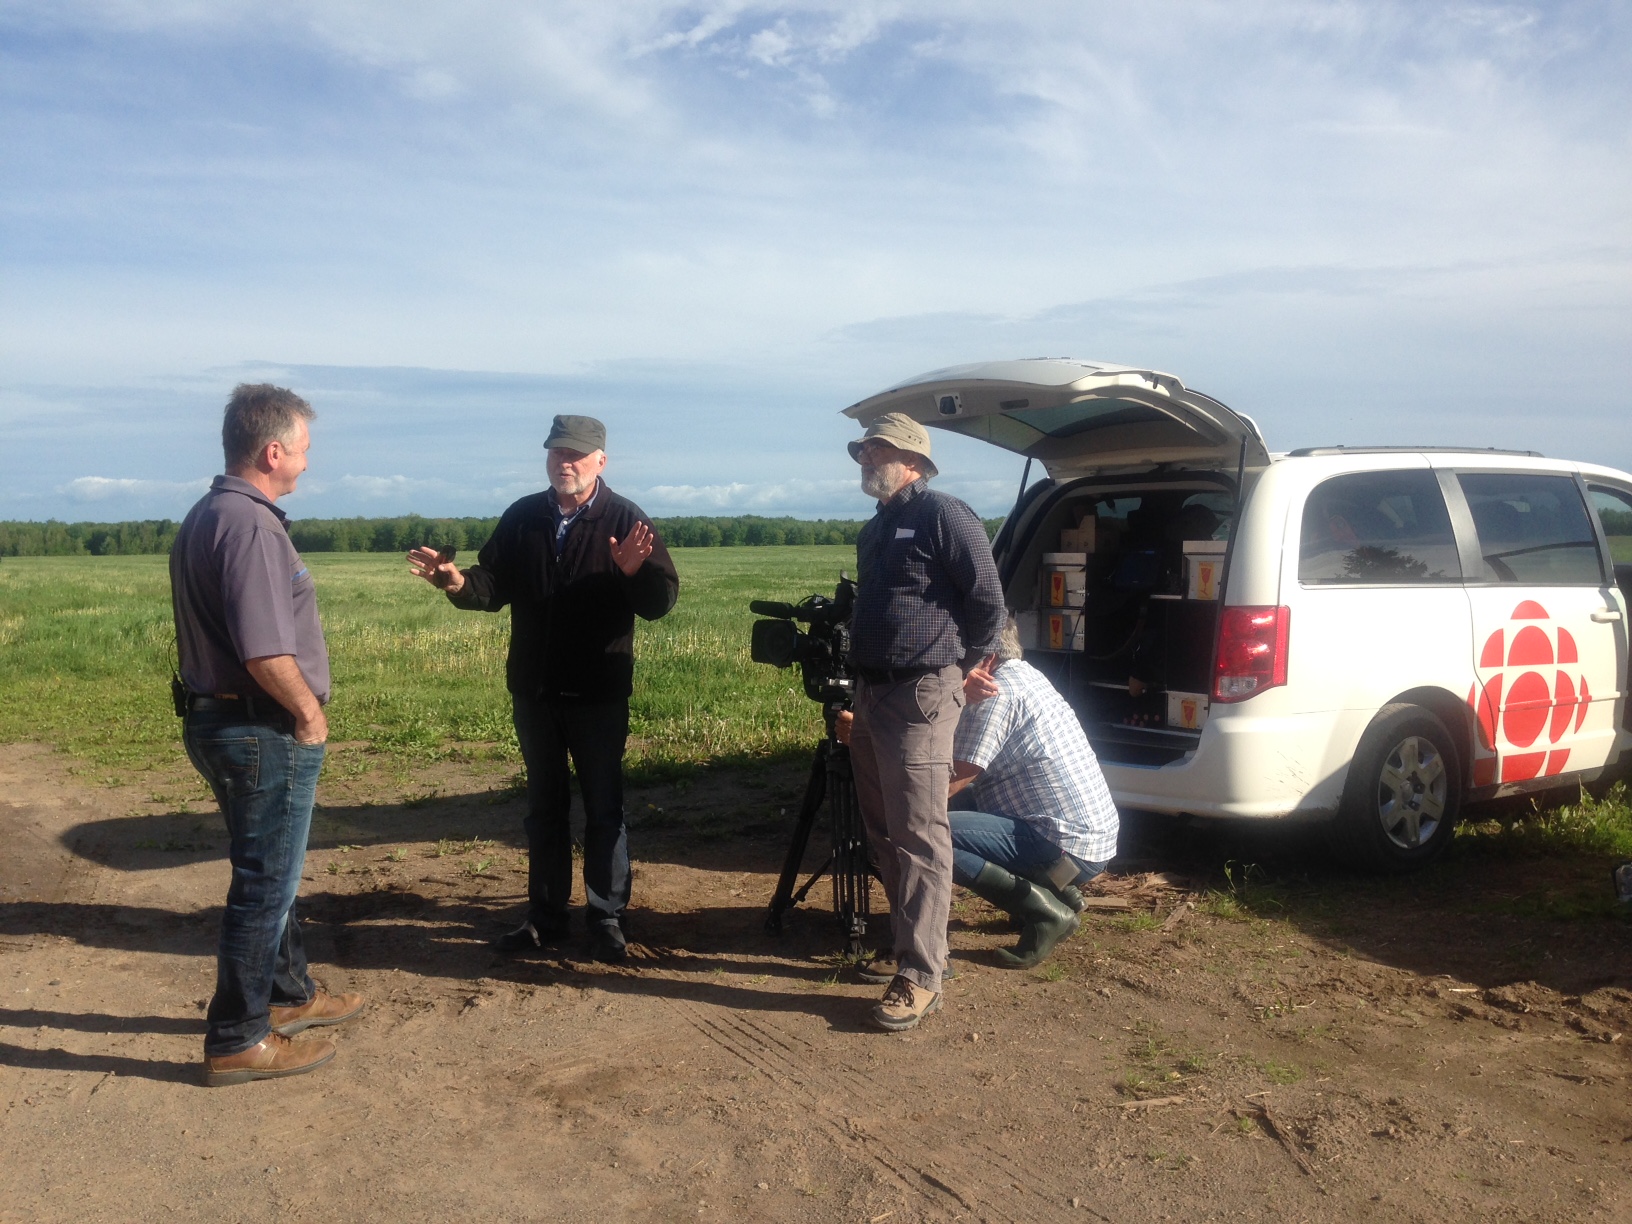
(1515, 701)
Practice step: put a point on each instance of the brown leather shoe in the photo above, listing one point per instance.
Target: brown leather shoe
(903, 1006)
(274, 1058)
(322, 1008)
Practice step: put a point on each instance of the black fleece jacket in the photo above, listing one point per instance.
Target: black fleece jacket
(572, 618)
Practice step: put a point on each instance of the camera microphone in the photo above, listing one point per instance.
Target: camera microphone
(770, 607)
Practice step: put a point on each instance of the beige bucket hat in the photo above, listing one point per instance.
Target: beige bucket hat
(901, 432)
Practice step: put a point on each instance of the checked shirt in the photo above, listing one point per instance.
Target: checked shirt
(1037, 764)
(929, 594)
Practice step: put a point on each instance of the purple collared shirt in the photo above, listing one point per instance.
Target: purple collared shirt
(239, 591)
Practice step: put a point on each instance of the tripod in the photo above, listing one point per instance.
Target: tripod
(830, 778)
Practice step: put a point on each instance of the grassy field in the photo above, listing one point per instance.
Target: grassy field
(86, 645)
(86, 642)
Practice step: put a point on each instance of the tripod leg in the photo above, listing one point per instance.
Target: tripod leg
(804, 889)
(852, 872)
(815, 791)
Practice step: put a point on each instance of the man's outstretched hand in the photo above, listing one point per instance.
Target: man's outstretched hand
(636, 546)
(980, 683)
(427, 563)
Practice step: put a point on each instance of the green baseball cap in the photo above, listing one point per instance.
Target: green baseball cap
(579, 433)
(901, 432)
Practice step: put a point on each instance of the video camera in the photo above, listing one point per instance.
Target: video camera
(823, 654)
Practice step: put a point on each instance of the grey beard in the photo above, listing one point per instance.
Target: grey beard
(572, 486)
(880, 482)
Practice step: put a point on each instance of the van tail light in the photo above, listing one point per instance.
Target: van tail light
(1251, 652)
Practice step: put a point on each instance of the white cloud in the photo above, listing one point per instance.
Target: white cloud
(771, 45)
(769, 497)
(108, 488)
(1274, 199)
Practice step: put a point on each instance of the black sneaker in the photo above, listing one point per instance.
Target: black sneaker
(607, 944)
(531, 936)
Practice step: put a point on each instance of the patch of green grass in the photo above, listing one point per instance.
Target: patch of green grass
(1222, 905)
(1594, 828)
(1247, 895)
(1130, 923)
(86, 650)
(1164, 1062)
(1051, 973)
(1280, 1072)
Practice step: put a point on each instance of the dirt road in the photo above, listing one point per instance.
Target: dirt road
(1421, 1050)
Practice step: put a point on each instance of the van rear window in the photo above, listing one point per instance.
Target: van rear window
(1377, 529)
(1533, 529)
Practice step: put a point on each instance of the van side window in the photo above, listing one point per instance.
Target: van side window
(1532, 528)
(1614, 508)
(1377, 529)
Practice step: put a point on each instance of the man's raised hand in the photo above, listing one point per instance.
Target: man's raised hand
(980, 683)
(427, 563)
(636, 546)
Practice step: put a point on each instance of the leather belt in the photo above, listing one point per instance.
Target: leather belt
(253, 709)
(894, 675)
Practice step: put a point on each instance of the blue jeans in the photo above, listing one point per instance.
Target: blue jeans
(1015, 845)
(593, 734)
(266, 784)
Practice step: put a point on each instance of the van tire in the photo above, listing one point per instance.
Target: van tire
(1406, 772)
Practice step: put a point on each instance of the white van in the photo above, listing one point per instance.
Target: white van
(1370, 635)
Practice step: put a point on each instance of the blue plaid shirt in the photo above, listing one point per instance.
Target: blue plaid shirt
(928, 591)
(1038, 765)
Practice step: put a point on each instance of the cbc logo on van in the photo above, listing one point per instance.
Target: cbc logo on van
(1529, 695)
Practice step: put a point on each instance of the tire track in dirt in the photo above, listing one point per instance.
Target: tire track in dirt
(789, 1060)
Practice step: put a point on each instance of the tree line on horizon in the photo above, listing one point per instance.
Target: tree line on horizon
(398, 534)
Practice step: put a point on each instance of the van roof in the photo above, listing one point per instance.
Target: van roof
(1304, 451)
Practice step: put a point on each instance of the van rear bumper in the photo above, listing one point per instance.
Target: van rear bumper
(1260, 768)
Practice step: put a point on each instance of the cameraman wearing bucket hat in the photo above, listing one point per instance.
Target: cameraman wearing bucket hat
(576, 564)
(929, 608)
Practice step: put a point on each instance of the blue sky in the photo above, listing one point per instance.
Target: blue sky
(715, 225)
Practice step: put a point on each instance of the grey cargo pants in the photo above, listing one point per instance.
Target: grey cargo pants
(901, 753)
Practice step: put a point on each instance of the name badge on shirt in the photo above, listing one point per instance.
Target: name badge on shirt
(904, 533)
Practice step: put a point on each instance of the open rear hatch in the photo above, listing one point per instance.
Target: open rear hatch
(1116, 564)
(1077, 418)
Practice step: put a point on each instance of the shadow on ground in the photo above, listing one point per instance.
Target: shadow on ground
(1488, 920)
(1484, 917)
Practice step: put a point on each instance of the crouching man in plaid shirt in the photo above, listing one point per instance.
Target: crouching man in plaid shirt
(1042, 821)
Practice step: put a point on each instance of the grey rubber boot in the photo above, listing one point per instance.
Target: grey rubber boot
(1045, 919)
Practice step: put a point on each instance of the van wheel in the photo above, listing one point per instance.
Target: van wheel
(1403, 794)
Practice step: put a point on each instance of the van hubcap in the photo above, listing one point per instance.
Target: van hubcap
(1411, 792)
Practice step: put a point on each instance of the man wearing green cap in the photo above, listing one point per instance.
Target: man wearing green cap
(575, 564)
(929, 609)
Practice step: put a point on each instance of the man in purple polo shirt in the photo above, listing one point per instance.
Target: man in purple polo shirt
(256, 672)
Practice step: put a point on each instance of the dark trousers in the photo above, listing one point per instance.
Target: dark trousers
(266, 784)
(593, 735)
